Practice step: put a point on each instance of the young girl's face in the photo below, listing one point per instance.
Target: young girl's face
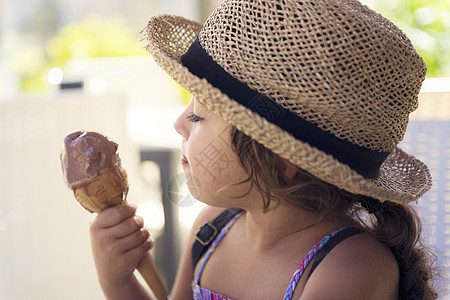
(207, 158)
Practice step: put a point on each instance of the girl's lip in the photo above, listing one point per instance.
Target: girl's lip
(184, 159)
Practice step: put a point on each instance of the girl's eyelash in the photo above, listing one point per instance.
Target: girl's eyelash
(194, 118)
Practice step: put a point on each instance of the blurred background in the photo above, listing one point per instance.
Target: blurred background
(68, 65)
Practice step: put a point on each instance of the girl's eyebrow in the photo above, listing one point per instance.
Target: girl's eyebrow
(200, 108)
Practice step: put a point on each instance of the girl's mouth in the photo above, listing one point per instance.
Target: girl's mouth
(184, 160)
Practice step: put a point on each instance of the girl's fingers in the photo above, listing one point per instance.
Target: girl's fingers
(114, 215)
(116, 222)
(122, 238)
(127, 256)
(127, 227)
(135, 240)
(135, 255)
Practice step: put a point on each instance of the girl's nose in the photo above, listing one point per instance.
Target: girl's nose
(181, 124)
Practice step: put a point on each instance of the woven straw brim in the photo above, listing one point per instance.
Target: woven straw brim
(403, 178)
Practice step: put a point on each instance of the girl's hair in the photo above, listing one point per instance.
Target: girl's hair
(396, 225)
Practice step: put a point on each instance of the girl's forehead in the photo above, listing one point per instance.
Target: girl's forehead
(197, 103)
(200, 107)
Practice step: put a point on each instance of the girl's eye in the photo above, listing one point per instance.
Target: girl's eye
(194, 118)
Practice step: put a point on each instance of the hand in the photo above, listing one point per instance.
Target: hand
(119, 242)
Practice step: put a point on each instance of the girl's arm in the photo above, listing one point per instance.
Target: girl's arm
(119, 242)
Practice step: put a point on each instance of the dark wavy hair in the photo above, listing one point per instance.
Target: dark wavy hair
(396, 225)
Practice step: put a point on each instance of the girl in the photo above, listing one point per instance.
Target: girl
(296, 112)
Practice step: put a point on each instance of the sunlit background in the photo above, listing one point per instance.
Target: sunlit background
(69, 65)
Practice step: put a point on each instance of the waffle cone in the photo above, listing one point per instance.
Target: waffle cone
(103, 191)
(109, 189)
(148, 271)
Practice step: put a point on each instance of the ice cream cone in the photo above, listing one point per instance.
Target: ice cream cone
(108, 189)
(148, 271)
(92, 169)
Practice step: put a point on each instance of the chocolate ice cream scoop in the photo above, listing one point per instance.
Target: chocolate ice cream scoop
(86, 155)
(92, 169)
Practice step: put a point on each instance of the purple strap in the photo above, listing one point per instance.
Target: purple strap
(298, 273)
(199, 292)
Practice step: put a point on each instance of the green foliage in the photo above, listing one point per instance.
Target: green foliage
(427, 24)
(92, 37)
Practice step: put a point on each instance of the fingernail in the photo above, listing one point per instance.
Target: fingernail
(149, 244)
(138, 219)
(145, 231)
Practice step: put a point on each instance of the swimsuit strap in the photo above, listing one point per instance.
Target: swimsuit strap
(208, 232)
(213, 246)
(339, 237)
(311, 254)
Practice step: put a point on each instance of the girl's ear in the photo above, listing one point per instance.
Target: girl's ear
(290, 169)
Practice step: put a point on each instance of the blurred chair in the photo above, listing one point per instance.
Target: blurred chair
(428, 138)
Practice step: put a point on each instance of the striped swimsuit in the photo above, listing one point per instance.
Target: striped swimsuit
(205, 294)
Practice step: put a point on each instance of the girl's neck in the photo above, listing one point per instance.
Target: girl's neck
(280, 224)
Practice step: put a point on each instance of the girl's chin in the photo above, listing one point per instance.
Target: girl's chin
(194, 189)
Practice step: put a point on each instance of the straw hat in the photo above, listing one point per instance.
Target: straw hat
(325, 84)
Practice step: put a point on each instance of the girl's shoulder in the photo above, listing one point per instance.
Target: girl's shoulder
(360, 266)
(207, 214)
